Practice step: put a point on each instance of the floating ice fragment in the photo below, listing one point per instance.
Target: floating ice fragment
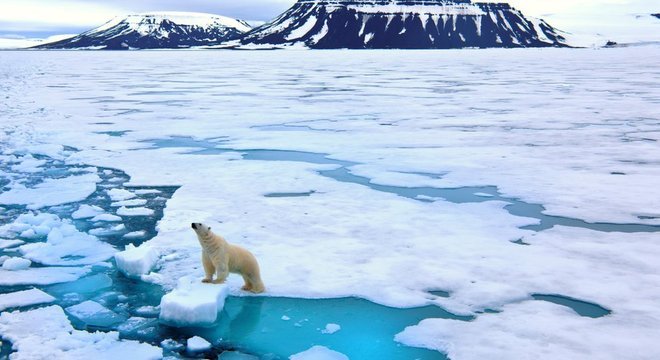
(120, 194)
(193, 303)
(132, 202)
(135, 324)
(52, 192)
(4, 244)
(285, 318)
(107, 218)
(108, 231)
(331, 329)
(24, 298)
(135, 235)
(86, 212)
(136, 261)
(138, 211)
(197, 344)
(46, 333)
(86, 285)
(41, 276)
(319, 353)
(16, 263)
(147, 191)
(94, 314)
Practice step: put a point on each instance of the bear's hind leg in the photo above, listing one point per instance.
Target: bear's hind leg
(209, 269)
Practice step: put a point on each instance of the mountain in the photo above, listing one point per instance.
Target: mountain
(405, 24)
(156, 31)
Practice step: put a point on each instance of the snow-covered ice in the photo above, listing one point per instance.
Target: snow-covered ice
(471, 117)
(197, 344)
(51, 192)
(331, 328)
(193, 303)
(16, 263)
(95, 314)
(24, 298)
(86, 212)
(47, 333)
(134, 211)
(319, 353)
(136, 261)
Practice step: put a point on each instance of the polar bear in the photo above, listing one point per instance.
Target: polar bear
(221, 258)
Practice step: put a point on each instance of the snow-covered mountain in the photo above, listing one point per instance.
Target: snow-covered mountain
(412, 24)
(156, 30)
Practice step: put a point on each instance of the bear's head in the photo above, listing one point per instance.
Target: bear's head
(201, 229)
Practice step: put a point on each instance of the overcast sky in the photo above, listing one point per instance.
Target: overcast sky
(39, 18)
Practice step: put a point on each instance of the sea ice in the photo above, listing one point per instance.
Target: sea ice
(52, 192)
(193, 303)
(137, 211)
(132, 202)
(197, 344)
(120, 194)
(4, 244)
(94, 314)
(136, 261)
(319, 353)
(24, 298)
(41, 276)
(331, 329)
(86, 212)
(135, 234)
(106, 217)
(47, 333)
(16, 263)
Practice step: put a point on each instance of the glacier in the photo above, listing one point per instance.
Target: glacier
(409, 204)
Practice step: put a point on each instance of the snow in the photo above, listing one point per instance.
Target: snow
(136, 261)
(197, 344)
(135, 234)
(134, 211)
(444, 9)
(319, 353)
(303, 29)
(193, 303)
(24, 298)
(16, 263)
(55, 338)
(331, 329)
(51, 192)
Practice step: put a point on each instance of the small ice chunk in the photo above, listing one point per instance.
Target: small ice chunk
(132, 202)
(106, 217)
(149, 311)
(120, 194)
(107, 231)
(193, 303)
(136, 261)
(171, 345)
(16, 263)
(319, 353)
(86, 212)
(481, 194)
(135, 235)
(197, 344)
(331, 329)
(95, 314)
(135, 324)
(138, 211)
(4, 244)
(147, 191)
(24, 298)
(285, 318)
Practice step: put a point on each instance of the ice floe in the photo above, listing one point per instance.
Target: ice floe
(51, 192)
(136, 261)
(197, 344)
(319, 353)
(24, 298)
(47, 333)
(193, 303)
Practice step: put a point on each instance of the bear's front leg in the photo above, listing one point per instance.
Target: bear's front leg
(209, 269)
(221, 273)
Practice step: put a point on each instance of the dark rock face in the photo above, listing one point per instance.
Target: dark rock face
(656, 15)
(156, 31)
(403, 24)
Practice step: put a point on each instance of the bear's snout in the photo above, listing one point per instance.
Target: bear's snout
(194, 226)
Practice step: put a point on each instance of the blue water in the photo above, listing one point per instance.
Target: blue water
(269, 327)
